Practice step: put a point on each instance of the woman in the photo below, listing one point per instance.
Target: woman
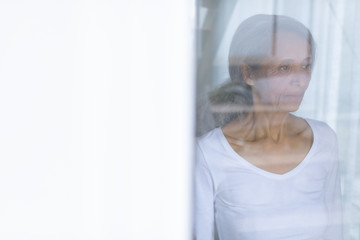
(266, 174)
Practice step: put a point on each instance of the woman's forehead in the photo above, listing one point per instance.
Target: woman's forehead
(289, 46)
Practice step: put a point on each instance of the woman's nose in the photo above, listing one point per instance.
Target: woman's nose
(300, 79)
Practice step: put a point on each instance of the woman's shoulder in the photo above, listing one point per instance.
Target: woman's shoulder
(210, 138)
(321, 127)
(210, 148)
(324, 133)
(213, 144)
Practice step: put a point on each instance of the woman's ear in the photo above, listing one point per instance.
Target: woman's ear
(248, 74)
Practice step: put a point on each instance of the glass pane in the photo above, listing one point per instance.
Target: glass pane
(332, 98)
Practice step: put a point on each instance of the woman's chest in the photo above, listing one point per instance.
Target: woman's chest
(249, 205)
(275, 158)
(246, 188)
(275, 162)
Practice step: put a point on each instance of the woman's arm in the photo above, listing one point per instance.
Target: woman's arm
(204, 202)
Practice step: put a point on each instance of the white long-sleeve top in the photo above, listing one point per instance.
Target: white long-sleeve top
(240, 201)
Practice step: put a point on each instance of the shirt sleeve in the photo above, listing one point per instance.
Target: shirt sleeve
(204, 199)
(333, 199)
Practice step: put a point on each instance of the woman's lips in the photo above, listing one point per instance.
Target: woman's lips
(294, 97)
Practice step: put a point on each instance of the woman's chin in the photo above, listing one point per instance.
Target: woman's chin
(291, 107)
(285, 107)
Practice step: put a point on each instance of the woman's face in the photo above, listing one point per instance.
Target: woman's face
(280, 83)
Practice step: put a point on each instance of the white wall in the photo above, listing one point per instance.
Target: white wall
(96, 104)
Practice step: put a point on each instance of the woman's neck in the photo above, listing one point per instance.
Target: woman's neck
(260, 125)
(270, 125)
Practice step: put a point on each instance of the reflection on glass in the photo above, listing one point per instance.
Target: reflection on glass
(264, 173)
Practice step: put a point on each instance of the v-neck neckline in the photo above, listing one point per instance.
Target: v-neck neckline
(266, 173)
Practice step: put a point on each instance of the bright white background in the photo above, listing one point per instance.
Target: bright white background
(96, 104)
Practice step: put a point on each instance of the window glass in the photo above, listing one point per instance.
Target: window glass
(333, 93)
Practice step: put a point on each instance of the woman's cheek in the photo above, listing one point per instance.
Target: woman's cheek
(272, 86)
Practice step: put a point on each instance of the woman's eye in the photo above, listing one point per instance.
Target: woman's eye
(307, 66)
(284, 67)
